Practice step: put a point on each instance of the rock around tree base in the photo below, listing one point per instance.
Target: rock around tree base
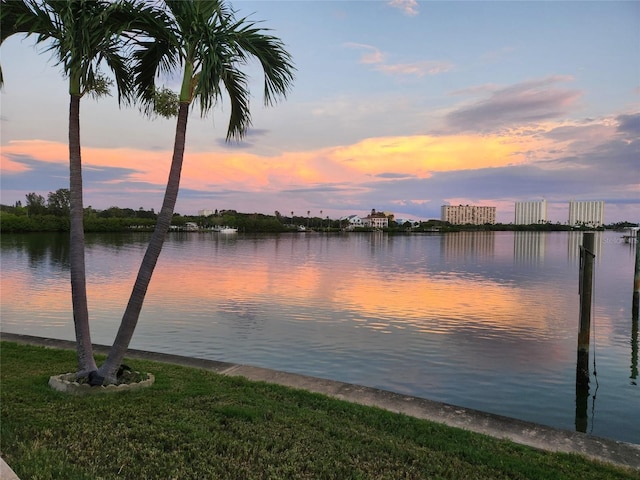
(67, 383)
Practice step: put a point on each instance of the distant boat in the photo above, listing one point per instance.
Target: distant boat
(225, 230)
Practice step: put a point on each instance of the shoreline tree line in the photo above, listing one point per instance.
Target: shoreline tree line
(38, 214)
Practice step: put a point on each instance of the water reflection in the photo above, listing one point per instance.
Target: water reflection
(40, 250)
(575, 240)
(582, 404)
(483, 320)
(464, 245)
(634, 348)
(529, 247)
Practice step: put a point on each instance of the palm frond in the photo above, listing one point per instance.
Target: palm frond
(15, 18)
(81, 35)
(155, 50)
(276, 62)
(19, 17)
(235, 82)
(211, 45)
(119, 65)
(152, 58)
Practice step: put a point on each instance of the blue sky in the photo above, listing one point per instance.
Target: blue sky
(400, 106)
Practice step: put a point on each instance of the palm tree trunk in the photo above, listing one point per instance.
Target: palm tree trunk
(132, 313)
(86, 362)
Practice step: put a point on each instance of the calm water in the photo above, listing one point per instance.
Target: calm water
(482, 320)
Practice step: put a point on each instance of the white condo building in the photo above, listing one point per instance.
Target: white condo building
(589, 213)
(464, 214)
(528, 213)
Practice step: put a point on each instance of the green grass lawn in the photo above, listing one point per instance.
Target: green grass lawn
(194, 424)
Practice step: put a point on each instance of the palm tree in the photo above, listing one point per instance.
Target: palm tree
(210, 45)
(83, 35)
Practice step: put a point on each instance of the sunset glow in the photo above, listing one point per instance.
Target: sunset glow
(399, 122)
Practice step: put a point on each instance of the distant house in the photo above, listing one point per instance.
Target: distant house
(373, 220)
(353, 221)
(376, 220)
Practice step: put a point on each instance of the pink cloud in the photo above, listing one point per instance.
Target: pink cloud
(409, 7)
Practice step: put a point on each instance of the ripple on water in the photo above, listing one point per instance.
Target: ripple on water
(485, 321)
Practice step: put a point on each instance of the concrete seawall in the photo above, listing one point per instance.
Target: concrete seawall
(521, 432)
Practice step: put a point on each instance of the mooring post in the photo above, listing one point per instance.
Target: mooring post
(585, 290)
(636, 279)
(634, 349)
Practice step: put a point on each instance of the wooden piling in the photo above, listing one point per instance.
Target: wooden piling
(585, 289)
(634, 315)
(636, 280)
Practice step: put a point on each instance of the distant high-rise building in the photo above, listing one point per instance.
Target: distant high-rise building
(589, 213)
(464, 214)
(531, 212)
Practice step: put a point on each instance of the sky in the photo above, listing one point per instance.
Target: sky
(400, 106)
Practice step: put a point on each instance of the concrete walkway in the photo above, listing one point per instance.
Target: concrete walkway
(6, 473)
(525, 433)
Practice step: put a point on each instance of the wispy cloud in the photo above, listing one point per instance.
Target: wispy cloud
(473, 90)
(419, 69)
(377, 59)
(409, 7)
(371, 54)
(516, 105)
